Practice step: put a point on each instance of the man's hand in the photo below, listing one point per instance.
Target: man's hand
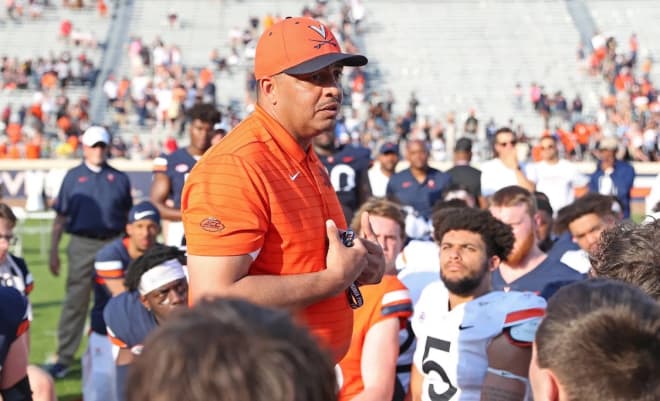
(510, 159)
(54, 262)
(375, 269)
(343, 264)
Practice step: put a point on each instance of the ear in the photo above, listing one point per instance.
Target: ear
(268, 88)
(544, 383)
(145, 303)
(494, 262)
(550, 388)
(536, 219)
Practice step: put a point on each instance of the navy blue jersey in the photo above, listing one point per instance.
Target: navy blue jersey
(96, 204)
(544, 280)
(14, 273)
(347, 167)
(13, 319)
(128, 321)
(562, 245)
(176, 167)
(420, 195)
(110, 263)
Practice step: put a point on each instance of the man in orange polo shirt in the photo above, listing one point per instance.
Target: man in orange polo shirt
(260, 215)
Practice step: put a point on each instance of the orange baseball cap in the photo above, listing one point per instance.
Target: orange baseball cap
(299, 46)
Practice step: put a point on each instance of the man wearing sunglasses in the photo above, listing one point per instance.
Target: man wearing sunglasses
(505, 169)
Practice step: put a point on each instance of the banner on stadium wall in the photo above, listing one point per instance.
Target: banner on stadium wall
(17, 185)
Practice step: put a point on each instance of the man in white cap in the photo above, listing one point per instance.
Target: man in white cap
(612, 176)
(92, 206)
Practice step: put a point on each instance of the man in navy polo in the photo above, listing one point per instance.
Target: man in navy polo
(92, 206)
(170, 171)
(420, 185)
(110, 265)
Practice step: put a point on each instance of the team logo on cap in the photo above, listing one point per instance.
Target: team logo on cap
(321, 31)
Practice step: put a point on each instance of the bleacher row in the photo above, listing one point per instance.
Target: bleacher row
(454, 55)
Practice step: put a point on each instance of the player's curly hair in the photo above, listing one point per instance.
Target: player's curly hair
(629, 252)
(497, 236)
(153, 257)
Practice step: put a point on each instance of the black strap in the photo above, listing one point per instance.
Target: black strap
(20, 391)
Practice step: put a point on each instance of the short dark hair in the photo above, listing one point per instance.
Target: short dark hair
(8, 214)
(631, 253)
(601, 338)
(503, 130)
(497, 236)
(233, 350)
(205, 112)
(151, 258)
(592, 202)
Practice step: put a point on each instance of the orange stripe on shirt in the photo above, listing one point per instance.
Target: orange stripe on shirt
(22, 328)
(259, 190)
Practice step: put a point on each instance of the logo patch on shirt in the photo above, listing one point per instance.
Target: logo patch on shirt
(406, 184)
(431, 184)
(211, 224)
(111, 177)
(181, 168)
(82, 179)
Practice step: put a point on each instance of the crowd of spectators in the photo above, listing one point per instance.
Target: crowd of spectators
(159, 87)
(47, 73)
(628, 110)
(45, 98)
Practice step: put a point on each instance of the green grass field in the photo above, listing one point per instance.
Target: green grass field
(46, 299)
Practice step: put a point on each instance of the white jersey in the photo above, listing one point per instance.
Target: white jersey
(452, 345)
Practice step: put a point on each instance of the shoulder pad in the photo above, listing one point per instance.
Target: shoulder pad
(524, 331)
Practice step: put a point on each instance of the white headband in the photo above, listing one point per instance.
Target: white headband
(160, 275)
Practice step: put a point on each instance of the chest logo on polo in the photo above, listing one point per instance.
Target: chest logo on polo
(211, 224)
(181, 168)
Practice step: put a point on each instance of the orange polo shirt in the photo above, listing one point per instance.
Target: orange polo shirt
(389, 299)
(258, 190)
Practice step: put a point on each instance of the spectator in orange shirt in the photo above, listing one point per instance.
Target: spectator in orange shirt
(102, 7)
(369, 368)
(260, 214)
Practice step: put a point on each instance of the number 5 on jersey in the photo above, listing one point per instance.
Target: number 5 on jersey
(431, 366)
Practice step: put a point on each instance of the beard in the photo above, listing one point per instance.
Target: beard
(520, 249)
(467, 284)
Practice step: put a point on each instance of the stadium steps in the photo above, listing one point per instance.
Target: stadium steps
(458, 55)
(202, 28)
(38, 38)
(620, 19)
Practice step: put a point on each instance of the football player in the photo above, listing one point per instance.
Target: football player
(14, 324)
(157, 286)
(472, 343)
(171, 171)
(348, 167)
